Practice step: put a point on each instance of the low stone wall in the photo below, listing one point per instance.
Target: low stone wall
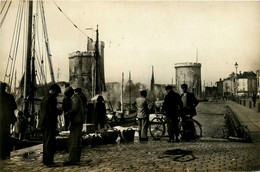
(235, 127)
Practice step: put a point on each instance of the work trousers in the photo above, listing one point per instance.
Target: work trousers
(172, 127)
(4, 142)
(75, 142)
(143, 127)
(49, 145)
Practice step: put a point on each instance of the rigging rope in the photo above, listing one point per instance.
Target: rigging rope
(15, 39)
(3, 7)
(17, 42)
(5, 14)
(47, 42)
(70, 19)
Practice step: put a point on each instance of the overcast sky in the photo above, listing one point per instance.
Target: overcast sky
(139, 35)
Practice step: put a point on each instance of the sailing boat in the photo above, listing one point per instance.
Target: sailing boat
(126, 116)
(34, 65)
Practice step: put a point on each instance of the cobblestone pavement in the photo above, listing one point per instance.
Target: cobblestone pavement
(207, 154)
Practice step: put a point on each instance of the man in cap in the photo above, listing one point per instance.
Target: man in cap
(84, 101)
(171, 106)
(76, 116)
(142, 115)
(48, 123)
(7, 117)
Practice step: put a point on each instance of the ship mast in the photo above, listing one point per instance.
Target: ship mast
(27, 83)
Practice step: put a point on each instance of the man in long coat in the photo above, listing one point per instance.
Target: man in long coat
(48, 123)
(7, 117)
(171, 106)
(76, 116)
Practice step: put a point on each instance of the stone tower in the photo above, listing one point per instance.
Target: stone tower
(82, 70)
(190, 74)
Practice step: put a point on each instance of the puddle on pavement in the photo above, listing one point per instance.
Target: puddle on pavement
(178, 155)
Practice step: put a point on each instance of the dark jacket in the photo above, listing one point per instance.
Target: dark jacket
(100, 113)
(172, 104)
(7, 107)
(66, 104)
(76, 113)
(192, 102)
(49, 112)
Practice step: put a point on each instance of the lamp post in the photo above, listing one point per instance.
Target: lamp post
(236, 65)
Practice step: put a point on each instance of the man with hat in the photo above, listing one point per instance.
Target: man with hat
(48, 123)
(7, 117)
(76, 117)
(171, 106)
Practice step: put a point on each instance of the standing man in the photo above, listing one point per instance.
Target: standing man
(189, 104)
(66, 106)
(189, 101)
(172, 105)
(84, 101)
(76, 116)
(7, 117)
(254, 99)
(48, 124)
(142, 115)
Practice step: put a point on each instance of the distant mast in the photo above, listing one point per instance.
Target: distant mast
(197, 56)
(98, 90)
(130, 83)
(122, 89)
(152, 97)
(152, 80)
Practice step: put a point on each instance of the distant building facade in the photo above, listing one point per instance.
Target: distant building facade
(190, 74)
(247, 83)
(241, 84)
(220, 88)
(227, 86)
(258, 82)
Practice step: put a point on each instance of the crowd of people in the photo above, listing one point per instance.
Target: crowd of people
(174, 106)
(74, 109)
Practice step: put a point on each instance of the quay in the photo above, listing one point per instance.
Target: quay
(207, 154)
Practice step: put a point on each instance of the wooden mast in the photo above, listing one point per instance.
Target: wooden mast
(130, 84)
(27, 81)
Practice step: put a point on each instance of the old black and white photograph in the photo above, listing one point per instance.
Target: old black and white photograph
(143, 85)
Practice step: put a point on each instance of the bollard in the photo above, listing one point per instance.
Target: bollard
(244, 102)
(250, 104)
(258, 109)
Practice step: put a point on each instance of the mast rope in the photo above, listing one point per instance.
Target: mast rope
(14, 45)
(5, 14)
(17, 42)
(70, 20)
(47, 41)
(24, 40)
(3, 7)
